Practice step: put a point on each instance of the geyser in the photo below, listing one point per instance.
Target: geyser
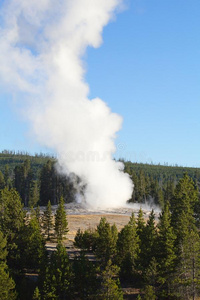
(42, 43)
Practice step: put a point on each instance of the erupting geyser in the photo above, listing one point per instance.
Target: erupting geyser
(42, 43)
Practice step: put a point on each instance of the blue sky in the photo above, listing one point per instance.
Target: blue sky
(148, 71)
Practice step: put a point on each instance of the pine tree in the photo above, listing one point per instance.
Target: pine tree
(61, 224)
(38, 214)
(182, 207)
(12, 224)
(48, 220)
(34, 251)
(6, 176)
(47, 191)
(127, 248)
(110, 287)
(166, 252)
(24, 180)
(85, 280)
(36, 294)
(148, 238)
(105, 242)
(149, 293)
(187, 238)
(2, 181)
(187, 277)
(140, 225)
(11, 213)
(58, 283)
(7, 285)
(34, 194)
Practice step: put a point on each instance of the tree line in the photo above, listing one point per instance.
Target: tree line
(160, 258)
(156, 183)
(37, 180)
(37, 189)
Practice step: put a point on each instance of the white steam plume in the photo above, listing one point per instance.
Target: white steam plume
(42, 43)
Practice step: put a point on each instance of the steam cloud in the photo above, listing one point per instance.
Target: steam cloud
(42, 43)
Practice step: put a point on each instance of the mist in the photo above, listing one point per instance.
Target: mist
(42, 48)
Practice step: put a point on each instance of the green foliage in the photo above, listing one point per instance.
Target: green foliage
(61, 224)
(149, 293)
(182, 206)
(85, 280)
(149, 247)
(106, 241)
(12, 224)
(48, 220)
(36, 294)
(24, 180)
(86, 240)
(166, 251)
(34, 245)
(110, 286)
(11, 213)
(59, 277)
(186, 281)
(147, 238)
(7, 285)
(34, 194)
(127, 248)
(2, 181)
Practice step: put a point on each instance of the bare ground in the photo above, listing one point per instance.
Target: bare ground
(91, 221)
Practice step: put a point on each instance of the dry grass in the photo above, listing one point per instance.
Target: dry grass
(91, 221)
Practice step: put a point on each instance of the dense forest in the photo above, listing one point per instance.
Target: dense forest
(37, 181)
(159, 258)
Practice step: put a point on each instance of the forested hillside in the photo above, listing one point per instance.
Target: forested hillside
(156, 183)
(37, 181)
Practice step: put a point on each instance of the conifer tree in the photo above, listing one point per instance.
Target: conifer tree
(110, 287)
(38, 214)
(187, 277)
(140, 225)
(166, 252)
(47, 191)
(2, 181)
(148, 239)
(12, 224)
(61, 224)
(127, 248)
(187, 238)
(105, 243)
(48, 220)
(7, 285)
(34, 251)
(149, 293)
(36, 294)
(85, 277)
(58, 283)
(34, 194)
(182, 207)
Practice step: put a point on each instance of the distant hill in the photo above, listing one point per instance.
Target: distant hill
(13, 159)
(161, 172)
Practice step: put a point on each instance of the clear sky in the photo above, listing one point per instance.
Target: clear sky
(148, 71)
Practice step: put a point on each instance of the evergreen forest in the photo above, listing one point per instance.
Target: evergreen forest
(157, 258)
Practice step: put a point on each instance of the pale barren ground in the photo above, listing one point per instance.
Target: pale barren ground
(79, 216)
(91, 221)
